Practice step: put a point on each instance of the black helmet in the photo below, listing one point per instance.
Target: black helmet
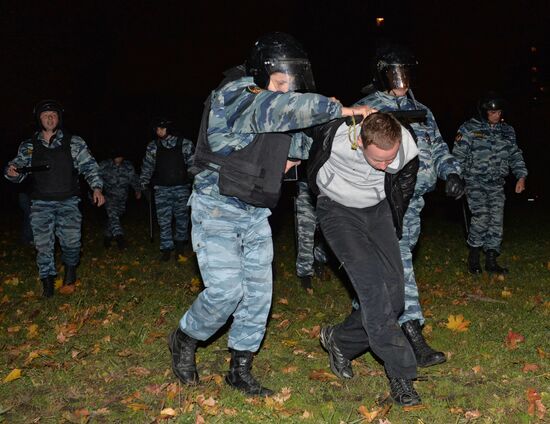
(280, 52)
(45, 106)
(162, 122)
(392, 67)
(490, 101)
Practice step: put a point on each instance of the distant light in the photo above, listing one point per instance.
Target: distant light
(534, 69)
(379, 22)
(533, 49)
(542, 89)
(530, 200)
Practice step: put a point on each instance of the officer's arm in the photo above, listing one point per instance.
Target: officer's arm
(148, 165)
(445, 163)
(85, 163)
(461, 147)
(517, 163)
(22, 159)
(300, 146)
(188, 150)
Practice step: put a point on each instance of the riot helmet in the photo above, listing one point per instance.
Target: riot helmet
(393, 67)
(46, 106)
(162, 122)
(280, 52)
(490, 101)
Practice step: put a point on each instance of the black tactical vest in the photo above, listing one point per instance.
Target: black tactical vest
(170, 165)
(60, 181)
(253, 174)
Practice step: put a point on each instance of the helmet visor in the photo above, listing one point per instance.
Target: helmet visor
(295, 74)
(398, 76)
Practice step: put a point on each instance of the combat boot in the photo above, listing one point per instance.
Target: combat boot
(121, 242)
(402, 392)
(70, 275)
(183, 347)
(306, 282)
(48, 285)
(491, 265)
(165, 255)
(474, 267)
(239, 376)
(425, 355)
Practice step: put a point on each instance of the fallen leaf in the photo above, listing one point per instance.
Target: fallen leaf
(456, 410)
(58, 283)
(67, 289)
(199, 419)
(12, 281)
(414, 408)
(530, 367)
(13, 375)
(512, 340)
(321, 375)
(14, 329)
(32, 331)
(182, 259)
(168, 412)
(506, 293)
(137, 406)
(472, 415)
(284, 324)
(283, 301)
(476, 369)
(289, 369)
(312, 333)
(306, 415)
(536, 406)
(368, 415)
(542, 354)
(230, 411)
(457, 323)
(139, 371)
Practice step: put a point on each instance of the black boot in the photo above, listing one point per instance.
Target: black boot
(402, 392)
(306, 282)
(165, 255)
(474, 267)
(107, 242)
(180, 248)
(48, 285)
(183, 349)
(121, 242)
(491, 264)
(70, 275)
(425, 355)
(239, 376)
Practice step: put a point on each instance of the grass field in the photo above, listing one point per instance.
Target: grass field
(99, 354)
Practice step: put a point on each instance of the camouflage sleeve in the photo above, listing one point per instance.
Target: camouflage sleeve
(188, 150)
(134, 178)
(445, 163)
(267, 111)
(148, 165)
(517, 163)
(23, 158)
(299, 146)
(85, 163)
(461, 148)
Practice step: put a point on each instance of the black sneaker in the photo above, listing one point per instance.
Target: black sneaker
(339, 365)
(402, 392)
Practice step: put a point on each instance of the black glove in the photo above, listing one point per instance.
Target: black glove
(454, 187)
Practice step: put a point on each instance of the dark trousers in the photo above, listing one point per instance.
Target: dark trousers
(365, 243)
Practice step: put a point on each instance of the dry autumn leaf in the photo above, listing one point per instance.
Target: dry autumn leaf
(369, 415)
(284, 324)
(457, 323)
(321, 375)
(67, 289)
(512, 340)
(530, 367)
(32, 331)
(472, 415)
(289, 369)
(13, 375)
(536, 406)
(283, 301)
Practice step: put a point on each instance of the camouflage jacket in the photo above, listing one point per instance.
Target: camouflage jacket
(83, 160)
(150, 159)
(240, 110)
(487, 153)
(118, 178)
(434, 156)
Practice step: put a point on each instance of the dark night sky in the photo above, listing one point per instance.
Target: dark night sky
(114, 65)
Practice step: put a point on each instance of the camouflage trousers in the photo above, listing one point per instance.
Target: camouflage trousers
(234, 251)
(306, 223)
(411, 232)
(486, 202)
(115, 206)
(51, 218)
(171, 202)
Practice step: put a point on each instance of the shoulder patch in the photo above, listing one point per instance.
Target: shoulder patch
(479, 134)
(458, 137)
(254, 89)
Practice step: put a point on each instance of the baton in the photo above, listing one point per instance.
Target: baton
(31, 169)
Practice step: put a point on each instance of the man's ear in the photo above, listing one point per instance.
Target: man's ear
(360, 142)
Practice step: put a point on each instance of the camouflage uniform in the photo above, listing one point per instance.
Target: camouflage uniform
(231, 238)
(487, 154)
(61, 218)
(116, 181)
(435, 162)
(306, 223)
(170, 201)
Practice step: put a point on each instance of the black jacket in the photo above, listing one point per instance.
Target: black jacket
(399, 187)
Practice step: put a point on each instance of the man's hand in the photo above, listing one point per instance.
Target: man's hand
(290, 164)
(364, 111)
(138, 195)
(454, 187)
(520, 185)
(98, 198)
(12, 171)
